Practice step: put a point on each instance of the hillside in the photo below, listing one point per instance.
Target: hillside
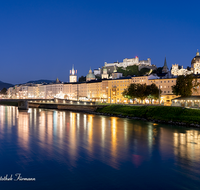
(40, 81)
(5, 85)
(132, 70)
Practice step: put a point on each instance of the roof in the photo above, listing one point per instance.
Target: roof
(90, 75)
(188, 98)
(165, 63)
(196, 58)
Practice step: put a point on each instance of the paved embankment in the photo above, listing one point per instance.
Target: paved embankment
(72, 107)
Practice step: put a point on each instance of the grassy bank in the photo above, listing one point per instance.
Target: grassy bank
(161, 113)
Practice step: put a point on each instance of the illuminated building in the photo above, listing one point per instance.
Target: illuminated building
(129, 62)
(73, 76)
(106, 89)
(166, 86)
(90, 76)
(195, 64)
(105, 73)
(195, 67)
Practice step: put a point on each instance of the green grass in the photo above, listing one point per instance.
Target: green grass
(163, 113)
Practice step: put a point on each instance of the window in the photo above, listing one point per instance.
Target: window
(161, 81)
(164, 81)
(164, 91)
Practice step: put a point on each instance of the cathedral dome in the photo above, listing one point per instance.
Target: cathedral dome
(196, 59)
(90, 76)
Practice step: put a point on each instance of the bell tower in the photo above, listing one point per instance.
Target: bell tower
(73, 75)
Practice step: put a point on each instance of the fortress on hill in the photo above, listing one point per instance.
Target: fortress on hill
(129, 62)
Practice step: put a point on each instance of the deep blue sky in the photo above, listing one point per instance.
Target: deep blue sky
(42, 39)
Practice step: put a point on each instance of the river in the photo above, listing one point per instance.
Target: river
(67, 150)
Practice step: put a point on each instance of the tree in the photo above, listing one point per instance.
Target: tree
(129, 70)
(130, 92)
(82, 79)
(142, 91)
(144, 71)
(4, 91)
(158, 70)
(188, 68)
(153, 92)
(185, 85)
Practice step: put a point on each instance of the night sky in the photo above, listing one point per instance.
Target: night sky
(43, 39)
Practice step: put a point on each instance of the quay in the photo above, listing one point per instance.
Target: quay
(60, 104)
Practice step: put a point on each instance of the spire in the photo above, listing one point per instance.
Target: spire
(73, 70)
(57, 80)
(165, 63)
(165, 68)
(197, 54)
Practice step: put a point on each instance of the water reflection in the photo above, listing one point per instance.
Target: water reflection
(71, 138)
(80, 130)
(187, 145)
(23, 130)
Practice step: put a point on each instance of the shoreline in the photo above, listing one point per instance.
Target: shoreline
(152, 117)
(149, 119)
(156, 114)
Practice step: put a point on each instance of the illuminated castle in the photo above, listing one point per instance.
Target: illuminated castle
(129, 62)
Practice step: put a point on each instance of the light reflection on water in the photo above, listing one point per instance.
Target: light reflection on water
(80, 147)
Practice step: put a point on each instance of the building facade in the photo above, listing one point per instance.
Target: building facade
(129, 62)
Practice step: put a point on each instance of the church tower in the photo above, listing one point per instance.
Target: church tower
(165, 68)
(105, 73)
(73, 76)
(195, 63)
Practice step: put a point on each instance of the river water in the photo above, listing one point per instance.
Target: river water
(67, 150)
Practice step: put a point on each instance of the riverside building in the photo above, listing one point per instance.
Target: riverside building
(102, 90)
(106, 89)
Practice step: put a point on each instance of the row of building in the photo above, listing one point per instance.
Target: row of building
(101, 90)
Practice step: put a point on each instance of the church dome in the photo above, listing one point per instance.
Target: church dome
(196, 59)
(90, 76)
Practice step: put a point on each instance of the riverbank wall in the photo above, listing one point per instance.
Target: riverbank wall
(53, 104)
(71, 107)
